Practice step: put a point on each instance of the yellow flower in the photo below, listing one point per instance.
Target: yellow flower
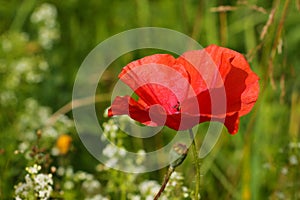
(63, 143)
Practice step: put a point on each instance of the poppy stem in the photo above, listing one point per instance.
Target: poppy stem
(166, 179)
(197, 164)
(177, 156)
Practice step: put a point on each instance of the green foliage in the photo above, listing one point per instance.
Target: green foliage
(42, 45)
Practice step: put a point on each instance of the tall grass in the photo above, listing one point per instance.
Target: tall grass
(257, 163)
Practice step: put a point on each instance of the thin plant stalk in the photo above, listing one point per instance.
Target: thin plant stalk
(177, 156)
(197, 165)
(166, 180)
(181, 150)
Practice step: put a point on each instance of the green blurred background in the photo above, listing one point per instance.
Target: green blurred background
(41, 51)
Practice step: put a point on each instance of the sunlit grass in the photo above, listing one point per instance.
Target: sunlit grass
(39, 58)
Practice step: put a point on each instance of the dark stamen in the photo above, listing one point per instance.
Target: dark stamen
(177, 106)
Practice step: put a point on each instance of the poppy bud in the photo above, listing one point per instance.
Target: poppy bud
(178, 154)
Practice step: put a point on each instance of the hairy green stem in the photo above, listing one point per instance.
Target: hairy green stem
(197, 165)
(166, 180)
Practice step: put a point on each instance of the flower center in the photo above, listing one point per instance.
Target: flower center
(177, 106)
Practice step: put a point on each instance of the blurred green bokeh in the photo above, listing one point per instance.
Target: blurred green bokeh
(39, 59)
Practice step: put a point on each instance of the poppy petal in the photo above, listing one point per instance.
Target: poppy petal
(157, 79)
(214, 83)
(232, 123)
(204, 72)
(154, 115)
(128, 106)
(241, 84)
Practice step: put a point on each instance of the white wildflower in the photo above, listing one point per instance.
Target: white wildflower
(293, 160)
(22, 189)
(293, 145)
(69, 172)
(149, 197)
(55, 151)
(37, 185)
(69, 185)
(91, 186)
(149, 187)
(110, 128)
(60, 171)
(23, 146)
(43, 180)
(13, 81)
(33, 169)
(18, 198)
(45, 13)
(47, 36)
(141, 156)
(110, 150)
(176, 176)
(63, 119)
(105, 113)
(6, 97)
(266, 165)
(43, 65)
(97, 197)
(284, 170)
(80, 175)
(49, 131)
(280, 195)
(23, 65)
(122, 152)
(45, 16)
(185, 191)
(32, 77)
(43, 185)
(111, 162)
(28, 180)
(135, 197)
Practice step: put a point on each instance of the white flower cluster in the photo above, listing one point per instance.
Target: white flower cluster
(89, 184)
(176, 184)
(174, 189)
(110, 130)
(294, 158)
(116, 154)
(116, 157)
(34, 118)
(294, 145)
(45, 16)
(149, 189)
(25, 67)
(36, 185)
(97, 197)
(19, 64)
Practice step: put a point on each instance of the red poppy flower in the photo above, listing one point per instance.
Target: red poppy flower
(212, 84)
